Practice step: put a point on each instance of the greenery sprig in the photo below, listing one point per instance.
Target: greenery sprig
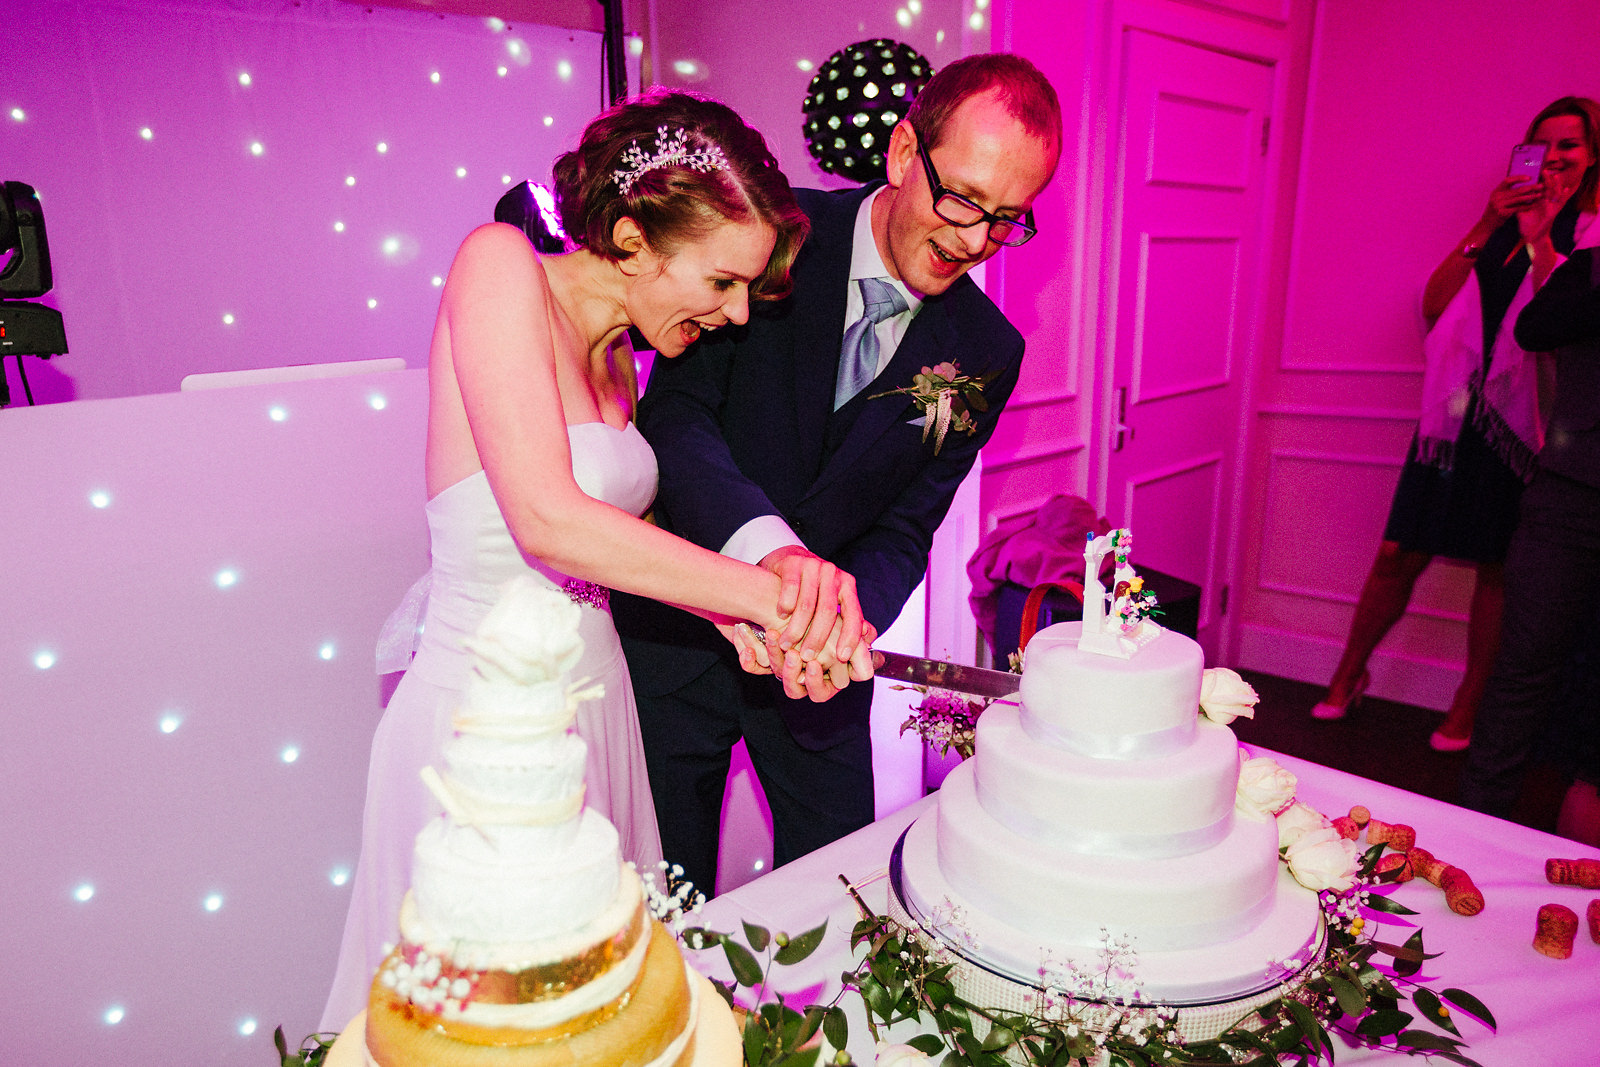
(313, 1051)
(1363, 989)
(947, 398)
(774, 1033)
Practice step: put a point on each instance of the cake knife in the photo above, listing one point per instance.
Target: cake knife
(940, 674)
(975, 681)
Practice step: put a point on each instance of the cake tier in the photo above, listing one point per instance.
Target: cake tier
(1104, 706)
(515, 708)
(652, 1026)
(506, 885)
(532, 984)
(1167, 805)
(535, 781)
(1004, 954)
(1065, 897)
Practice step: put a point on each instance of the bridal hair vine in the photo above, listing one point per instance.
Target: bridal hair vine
(672, 149)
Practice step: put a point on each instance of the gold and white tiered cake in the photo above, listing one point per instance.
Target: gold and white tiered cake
(525, 940)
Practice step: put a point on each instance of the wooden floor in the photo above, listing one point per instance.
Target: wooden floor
(1382, 740)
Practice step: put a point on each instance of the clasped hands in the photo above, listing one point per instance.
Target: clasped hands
(820, 642)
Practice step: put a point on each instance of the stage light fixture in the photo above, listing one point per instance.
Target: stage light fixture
(26, 329)
(531, 208)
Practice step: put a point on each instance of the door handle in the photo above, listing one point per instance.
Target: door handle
(1122, 433)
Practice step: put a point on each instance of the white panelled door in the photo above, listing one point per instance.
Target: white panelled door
(1193, 152)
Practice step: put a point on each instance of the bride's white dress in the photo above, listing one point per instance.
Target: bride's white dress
(473, 557)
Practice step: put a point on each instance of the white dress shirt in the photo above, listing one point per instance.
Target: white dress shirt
(752, 542)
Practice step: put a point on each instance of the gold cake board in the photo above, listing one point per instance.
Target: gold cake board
(716, 1036)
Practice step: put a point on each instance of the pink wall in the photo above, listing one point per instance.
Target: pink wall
(1410, 114)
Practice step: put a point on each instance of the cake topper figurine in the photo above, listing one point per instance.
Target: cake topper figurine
(1123, 626)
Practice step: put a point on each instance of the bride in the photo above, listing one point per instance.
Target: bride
(681, 218)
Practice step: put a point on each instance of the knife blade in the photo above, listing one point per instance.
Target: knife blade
(917, 670)
(976, 681)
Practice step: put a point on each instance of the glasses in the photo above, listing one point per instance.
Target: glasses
(962, 213)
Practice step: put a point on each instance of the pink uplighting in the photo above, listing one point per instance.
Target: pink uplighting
(217, 498)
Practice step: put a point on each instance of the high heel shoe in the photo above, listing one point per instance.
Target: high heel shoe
(1329, 710)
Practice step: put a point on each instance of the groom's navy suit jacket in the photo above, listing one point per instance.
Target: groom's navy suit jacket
(744, 426)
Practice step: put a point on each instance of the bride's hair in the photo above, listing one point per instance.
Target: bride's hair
(724, 171)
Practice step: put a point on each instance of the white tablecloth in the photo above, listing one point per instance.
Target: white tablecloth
(1548, 1010)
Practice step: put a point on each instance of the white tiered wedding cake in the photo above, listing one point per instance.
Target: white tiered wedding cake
(1103, 810)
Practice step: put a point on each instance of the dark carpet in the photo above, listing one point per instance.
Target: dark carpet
(1381, 740)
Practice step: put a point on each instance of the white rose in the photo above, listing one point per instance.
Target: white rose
(1296, 820)
(901, 1056)
(1321, 859)
(1224, 696)
(530, 635)
(1264, 789)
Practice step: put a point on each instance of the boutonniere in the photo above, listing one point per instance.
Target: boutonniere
(947, 398)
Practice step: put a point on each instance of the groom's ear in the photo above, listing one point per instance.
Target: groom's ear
(627, 236)
(901, 154)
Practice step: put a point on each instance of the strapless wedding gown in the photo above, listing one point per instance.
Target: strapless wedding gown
(473, 557)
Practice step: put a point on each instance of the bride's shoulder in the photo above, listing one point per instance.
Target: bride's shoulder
(498, 251)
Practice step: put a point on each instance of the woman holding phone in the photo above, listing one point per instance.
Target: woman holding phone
(1480, 427)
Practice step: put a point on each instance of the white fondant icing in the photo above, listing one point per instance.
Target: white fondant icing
(1290, 927)
(1105, 806)
(1168, 805)
(1203, 898)
(1110, 699)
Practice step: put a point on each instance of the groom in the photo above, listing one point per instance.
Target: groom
(777, 440)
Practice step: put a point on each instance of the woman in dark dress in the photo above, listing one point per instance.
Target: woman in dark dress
(1480, 429)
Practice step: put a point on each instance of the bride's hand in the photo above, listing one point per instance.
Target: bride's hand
(752, 651)
(812, 594)
(822, 677)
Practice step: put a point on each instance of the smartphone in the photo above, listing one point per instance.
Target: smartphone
(1526, 162)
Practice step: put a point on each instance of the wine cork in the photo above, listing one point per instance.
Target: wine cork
(1594, 920)
(1585, 873)
(1394, 861)
(1346, 826)
(1425, 866)
(1459, 892)
(1557, 928)
(1361, 815)
(1397, 836)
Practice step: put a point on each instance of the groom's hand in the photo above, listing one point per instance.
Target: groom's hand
(814, 595)
(823, 677)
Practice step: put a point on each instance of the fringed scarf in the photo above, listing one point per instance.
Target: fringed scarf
(1509, 403)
